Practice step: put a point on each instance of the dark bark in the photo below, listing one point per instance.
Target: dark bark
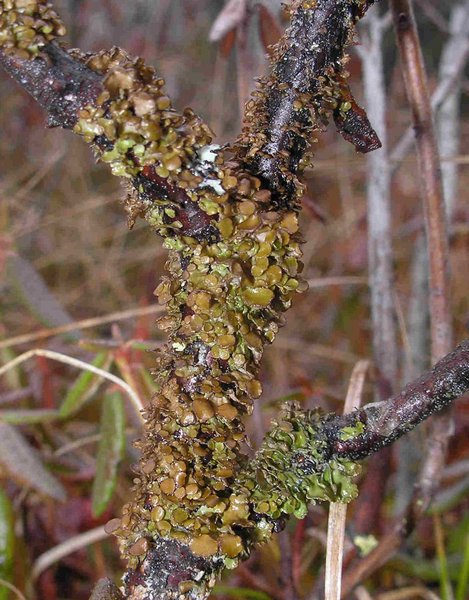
(306, 85)
(60, 84)
(387, 421)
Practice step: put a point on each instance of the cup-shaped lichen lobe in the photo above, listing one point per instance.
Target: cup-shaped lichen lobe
(294, 468)
(224, 303)
(135, 117)
(26, 26)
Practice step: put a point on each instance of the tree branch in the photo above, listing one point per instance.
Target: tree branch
(229, 219)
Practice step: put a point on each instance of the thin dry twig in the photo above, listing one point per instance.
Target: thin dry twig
(83, 540)
(436, 231)
(430, 174)
(319, 282)
(381, 279)
(408, 593)
(444, 88)
(337, 510)
(437, 243)
(80, 364)
(83, 324)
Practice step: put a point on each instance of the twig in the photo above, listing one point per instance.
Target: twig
(381, 279)
(436, 235)
(444, 88)
(387, 421)
(338, 511)
(44, 561)
(433, 14)
(319, 282)
(430, 172)
(448, 114)
(83, 324)
(80, 364)
(454, 55)
(408, 593)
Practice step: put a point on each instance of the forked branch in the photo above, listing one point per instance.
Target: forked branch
(229, 218)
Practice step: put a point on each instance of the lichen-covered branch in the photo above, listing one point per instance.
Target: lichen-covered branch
(229, 220)
(307, 84)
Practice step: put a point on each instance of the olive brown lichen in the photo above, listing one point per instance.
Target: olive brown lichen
(229, 218)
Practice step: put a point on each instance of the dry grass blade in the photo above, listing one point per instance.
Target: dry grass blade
(230, 17)
(338, 511)
(12, 588)
(408, 593)
(72, 545)
(80, 364)
(319, 282)
(84, 324)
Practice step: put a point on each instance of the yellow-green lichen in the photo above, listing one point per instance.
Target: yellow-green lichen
(136, 119)
(27, 25)
(294, 469)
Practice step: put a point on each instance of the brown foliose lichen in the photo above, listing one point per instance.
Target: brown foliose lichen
(229, 220)
(224, 296)
(27, 25)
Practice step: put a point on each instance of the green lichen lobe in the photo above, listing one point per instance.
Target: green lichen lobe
(26, 26)
(138, 122)
(294, 468)
(352, 431)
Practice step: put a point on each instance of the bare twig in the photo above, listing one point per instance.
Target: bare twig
(380, 266)
(430, 171)
(437, 242)
(436, 234)
(433, 14)
(83, 324)
(448, 114)
(452, 74)
(453, 56)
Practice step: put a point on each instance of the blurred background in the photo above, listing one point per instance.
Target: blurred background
(66, 255)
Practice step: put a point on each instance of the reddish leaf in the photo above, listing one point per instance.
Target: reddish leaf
(269, 29)
(227, 43)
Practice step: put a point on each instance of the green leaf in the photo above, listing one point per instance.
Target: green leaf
(463, 578)
(240, 592)
(36, 296)
(110, 451)
(85, 386)
(13, 376)
(24, 464)
(7, 543)
(28, 416)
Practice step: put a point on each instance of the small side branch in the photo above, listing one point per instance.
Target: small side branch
(306, 85)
